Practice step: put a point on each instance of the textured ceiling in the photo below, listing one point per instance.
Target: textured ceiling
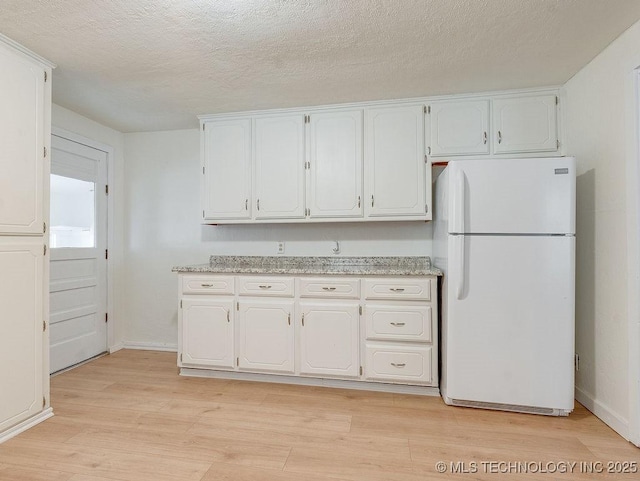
(139, 65)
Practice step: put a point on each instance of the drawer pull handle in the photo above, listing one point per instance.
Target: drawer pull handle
(264, 287)
(397, 324)
(396, 289)
(206, 285)
(328, 288)
(398, 364)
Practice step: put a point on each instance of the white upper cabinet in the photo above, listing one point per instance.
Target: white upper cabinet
(279, 167)
(459, 127)
(395, 162)
(227, 169)
(525, 124)
(335, 164)
(22, 143)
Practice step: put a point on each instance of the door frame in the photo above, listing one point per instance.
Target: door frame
(109, 151)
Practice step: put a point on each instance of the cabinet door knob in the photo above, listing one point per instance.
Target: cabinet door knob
(258, 204)
(484, 138)
(358, 201)
(499, 137)
(371, 200)
(246, 204)
(398, 364)
(397, 324)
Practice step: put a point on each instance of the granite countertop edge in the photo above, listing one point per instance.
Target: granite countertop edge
(408, 266)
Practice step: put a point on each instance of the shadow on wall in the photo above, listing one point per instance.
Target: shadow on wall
(365, 239)
(585, 280)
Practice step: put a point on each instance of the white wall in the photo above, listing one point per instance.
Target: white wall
(601, 132)
(163, 229)
(66, 119)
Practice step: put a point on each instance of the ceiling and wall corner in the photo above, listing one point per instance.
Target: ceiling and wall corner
(148, 65)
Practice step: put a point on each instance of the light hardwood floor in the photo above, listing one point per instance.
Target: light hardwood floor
(129, 416)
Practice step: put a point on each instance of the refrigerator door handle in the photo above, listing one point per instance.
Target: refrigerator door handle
(461, 267)
(459, 224)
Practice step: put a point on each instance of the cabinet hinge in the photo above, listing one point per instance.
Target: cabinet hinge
(361, 370)
(180, 358)
(45, 151)
(557, 144)
(203, 214)
(45, 76)
(302, 320)
(425, 159)
(106, 253)
(44, 402)
(228, 317)
(44, 326)
(237, 361)
(202, 126)
(203, 170)
(106, 189)
(557, 101)
(106, 317)
(44, 227)
(289, 319)
(44, 250)
(429, 150)
(427, 109)
(237, 305)
(360, 309)
(426, 208)
(180, 303)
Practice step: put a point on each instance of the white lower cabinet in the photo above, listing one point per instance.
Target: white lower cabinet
(207, 332)
(329, 338)
(369, 328)
(265, 335)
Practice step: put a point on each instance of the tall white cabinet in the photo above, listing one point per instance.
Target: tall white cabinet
(25, 125)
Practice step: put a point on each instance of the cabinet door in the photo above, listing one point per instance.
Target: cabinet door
(395, 162)
(207, 332)
(335, 167)
(459, 127)
(21, 333)
(265, 331)
(279, 167)
(227, 169)
(525, 124)
(329, 339)
(21, 144)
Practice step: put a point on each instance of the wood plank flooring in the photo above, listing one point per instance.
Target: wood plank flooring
(130, 417)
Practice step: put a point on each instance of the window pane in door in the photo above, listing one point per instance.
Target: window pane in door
(73, 212)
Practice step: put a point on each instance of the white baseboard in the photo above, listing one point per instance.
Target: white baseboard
(312, 381)
(24, 425)
(612, 419)
(116, 347)
(150, 346)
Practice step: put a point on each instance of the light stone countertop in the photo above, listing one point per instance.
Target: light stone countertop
(378, 266)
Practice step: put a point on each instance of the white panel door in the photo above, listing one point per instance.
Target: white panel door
(21, 329)
(78, 240)
(329, 339)
(395, 162)
(335, 170)
(207, 332)
(279, 167)
(227, 169)
(459, 127)
(22, 144)
(525, 124)
(513, 196)
(510, 326)
(265, 335)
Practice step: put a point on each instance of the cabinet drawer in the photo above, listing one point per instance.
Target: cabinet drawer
(409, 364)
(402, 322)
(334, 288)
(418, 289)
(265, 286)
(207, 285)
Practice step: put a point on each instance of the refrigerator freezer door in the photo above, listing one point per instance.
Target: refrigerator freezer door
(509, 330)
(512, 196)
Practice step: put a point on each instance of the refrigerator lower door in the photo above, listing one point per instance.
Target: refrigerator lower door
(509, 329)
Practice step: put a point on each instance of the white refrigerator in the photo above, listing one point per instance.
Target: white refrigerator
(504, 235)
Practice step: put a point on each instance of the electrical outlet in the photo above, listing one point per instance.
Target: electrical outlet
(281, 247)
